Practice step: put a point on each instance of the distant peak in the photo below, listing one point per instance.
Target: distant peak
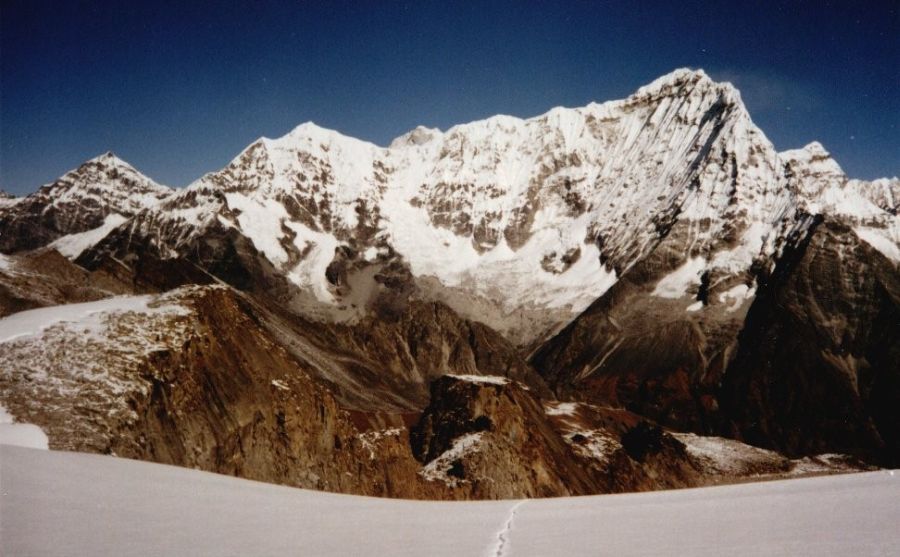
(814, 157)
(689, 81)
(307, 127)
(109, 158)
(816, 148)
(674, 78)
(313, 133)
(420, 135)
(307, 130)
(686, 74)
(311, 130)
(108, 161)
(813, 150)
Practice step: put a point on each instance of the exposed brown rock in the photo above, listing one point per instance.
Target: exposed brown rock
(817, 366)
(46, 278)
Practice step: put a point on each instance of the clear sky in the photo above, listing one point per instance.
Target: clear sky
(179, 88)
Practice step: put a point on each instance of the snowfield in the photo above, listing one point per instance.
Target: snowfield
(57, 503)
(87, 316)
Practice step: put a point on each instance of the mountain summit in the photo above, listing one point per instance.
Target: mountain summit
(79, 201)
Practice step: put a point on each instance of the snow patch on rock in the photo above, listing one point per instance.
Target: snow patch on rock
(677, 283)
(439, 468)
(560, 408)
(370, 439)
(726, 456)
(885, 241)
(736, 296)
(87, 318)
(20, 434)
(6, 262)
(486, 379)
(72, 245)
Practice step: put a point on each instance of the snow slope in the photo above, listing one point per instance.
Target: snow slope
(87, 316)
(56, 503)
(71, 245)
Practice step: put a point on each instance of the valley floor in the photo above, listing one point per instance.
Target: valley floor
(60, 503)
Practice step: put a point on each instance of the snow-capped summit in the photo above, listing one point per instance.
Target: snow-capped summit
(420, 135)
(821, 187)
(676, 78)
(79, 201)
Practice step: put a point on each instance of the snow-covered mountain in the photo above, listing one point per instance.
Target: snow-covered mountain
(518, 223)
(652, 260)
(85, 204)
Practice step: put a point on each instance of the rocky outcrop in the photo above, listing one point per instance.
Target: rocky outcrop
(490, 437)
(197, 382)
(46, 278)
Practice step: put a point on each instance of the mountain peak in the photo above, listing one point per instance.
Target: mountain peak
(817, 149)
(108, 167)
(306, 128)
(312, 133)
(685, 82)
(675, 78)
(420, 135)
(107, 158)
(815, 157)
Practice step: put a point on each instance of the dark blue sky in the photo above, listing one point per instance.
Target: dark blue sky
(178, 89)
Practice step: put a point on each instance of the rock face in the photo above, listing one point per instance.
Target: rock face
(507, 308)
(816, 366)
(806, 365)
(399, 358)
(195, 382)
(491, 437)
(490, 434)
(45, 278)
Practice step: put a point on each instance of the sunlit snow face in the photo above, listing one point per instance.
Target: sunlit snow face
(546, 212)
